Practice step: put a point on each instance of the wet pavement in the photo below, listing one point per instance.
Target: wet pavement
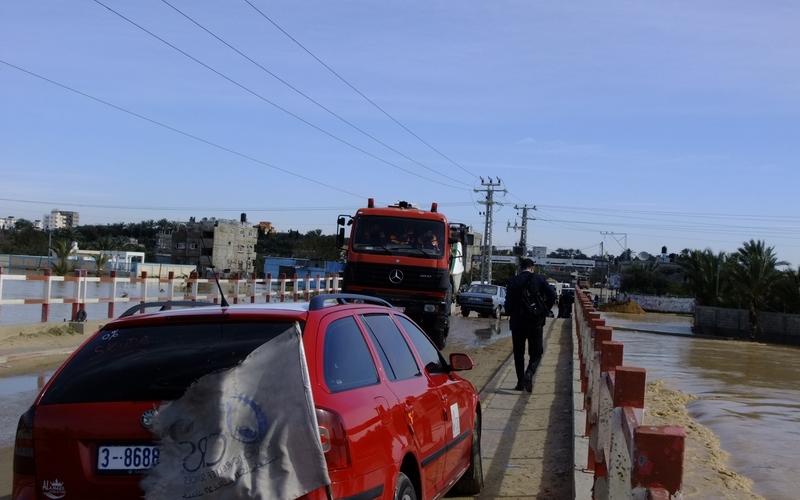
(748, 395)
(16, 394)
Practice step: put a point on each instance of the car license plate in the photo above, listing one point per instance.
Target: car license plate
(127, 458)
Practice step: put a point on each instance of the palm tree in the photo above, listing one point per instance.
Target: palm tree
(706, 275)
(754, 275)
(100, 261)
(62, 250)
(787, 292)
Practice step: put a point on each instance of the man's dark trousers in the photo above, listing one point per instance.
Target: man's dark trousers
(531, 333)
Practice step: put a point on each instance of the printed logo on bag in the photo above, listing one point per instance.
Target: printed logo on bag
(53, 489)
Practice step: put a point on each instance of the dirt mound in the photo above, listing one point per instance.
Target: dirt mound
(629, 307)
(706, 470)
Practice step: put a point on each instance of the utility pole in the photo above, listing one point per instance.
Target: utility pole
(523, 235)
(622, 242)
(489, 187)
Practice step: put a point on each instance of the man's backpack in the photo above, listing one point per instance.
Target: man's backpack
(532, 302)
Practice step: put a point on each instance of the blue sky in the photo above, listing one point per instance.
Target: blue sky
(674, 122)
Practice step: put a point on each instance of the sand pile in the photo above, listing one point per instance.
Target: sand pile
(706, 473)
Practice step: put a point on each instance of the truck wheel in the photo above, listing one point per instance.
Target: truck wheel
(464, 312)
(440, 332)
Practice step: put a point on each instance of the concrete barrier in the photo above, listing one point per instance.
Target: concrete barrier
(656, 303)
(239, 289)
(719, 321)
(627, 458)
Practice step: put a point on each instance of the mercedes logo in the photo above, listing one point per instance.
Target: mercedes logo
(147, 418)
(396, 276)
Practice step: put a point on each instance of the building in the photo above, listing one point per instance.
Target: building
(538, 252)
(7, 223)
(60, 219)
(226, 245)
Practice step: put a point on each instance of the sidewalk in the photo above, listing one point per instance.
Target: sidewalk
(527, 438)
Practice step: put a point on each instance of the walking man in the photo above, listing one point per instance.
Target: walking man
(528, 300)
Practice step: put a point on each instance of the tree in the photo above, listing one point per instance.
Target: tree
(62, 250)
(100, 261)
(644, 277)
(754, 275)
(787, 292)
(567, 253)
(706, 275)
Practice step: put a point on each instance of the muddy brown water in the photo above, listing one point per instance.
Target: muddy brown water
(748, 394)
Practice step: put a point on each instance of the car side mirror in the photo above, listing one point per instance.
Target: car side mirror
(460, 362)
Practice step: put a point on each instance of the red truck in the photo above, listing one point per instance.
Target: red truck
(409, 257)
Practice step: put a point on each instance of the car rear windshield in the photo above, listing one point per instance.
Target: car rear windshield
(487, 289)
(155, 363)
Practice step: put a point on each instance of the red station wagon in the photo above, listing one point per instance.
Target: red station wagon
(395, 419)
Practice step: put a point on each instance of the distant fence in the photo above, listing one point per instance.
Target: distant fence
(106, 290)
(656, 303)
(629, 459)
(725, 322)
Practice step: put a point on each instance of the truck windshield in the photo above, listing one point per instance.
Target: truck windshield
(399, 236)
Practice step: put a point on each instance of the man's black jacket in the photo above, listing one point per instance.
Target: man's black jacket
(536, 283)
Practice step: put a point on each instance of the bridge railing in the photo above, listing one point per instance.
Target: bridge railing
(629, 459)
(140, 289)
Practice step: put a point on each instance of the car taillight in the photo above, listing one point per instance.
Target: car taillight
(333, 438)
(24, 464)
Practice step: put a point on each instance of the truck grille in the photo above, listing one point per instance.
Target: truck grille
(378, 275)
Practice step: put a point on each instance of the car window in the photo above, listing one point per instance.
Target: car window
(487, 289)
(430, 356)
(398, 360)
(155, 363)
(348, 362)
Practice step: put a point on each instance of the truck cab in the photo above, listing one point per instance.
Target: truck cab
(407, 256)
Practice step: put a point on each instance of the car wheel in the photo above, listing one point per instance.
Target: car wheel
(404, 489)
(496, 312)
(464, 312)
(471, 483)
(483, 315)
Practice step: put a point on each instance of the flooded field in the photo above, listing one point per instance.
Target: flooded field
(747, 394)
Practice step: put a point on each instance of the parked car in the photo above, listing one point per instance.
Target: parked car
(486, 300)
(395, 418)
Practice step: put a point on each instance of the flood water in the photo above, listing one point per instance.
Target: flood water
(748, 395)
(17, 393)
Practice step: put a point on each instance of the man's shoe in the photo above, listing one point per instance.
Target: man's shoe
(529, 380)
(518, 387)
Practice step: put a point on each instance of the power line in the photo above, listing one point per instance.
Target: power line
(353, 87)
(203, 208)
(308, 97)
(710, 215)
(178, 131)
(272, 103)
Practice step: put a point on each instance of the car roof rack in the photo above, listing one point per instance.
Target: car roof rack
(318, 302)
(164, 306)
